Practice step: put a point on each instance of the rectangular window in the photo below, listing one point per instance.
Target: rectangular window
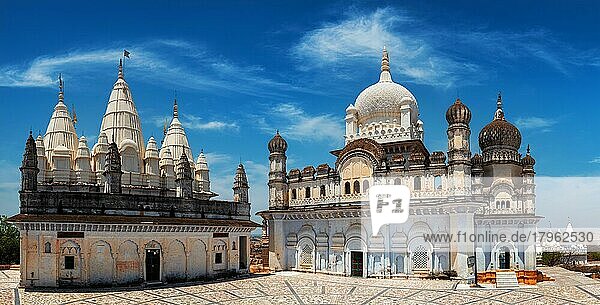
(69, 262)
(218, 258)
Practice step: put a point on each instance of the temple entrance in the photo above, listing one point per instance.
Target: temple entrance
(356, 263)
(504, 259)
(152, 265)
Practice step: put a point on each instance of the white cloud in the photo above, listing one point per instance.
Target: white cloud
(542, 124)
(361, 37)
(424, 53)
(217, 158)
(192, 122)
(168, 62)
(595, 160)
(299, 125)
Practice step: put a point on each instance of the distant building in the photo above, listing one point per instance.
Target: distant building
(124, 213)
(315, 216)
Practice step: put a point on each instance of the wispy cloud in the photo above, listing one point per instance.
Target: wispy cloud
(595, 160)
(193, 122)
(424, 53)
(542, 124)
(149, 62)
(295, 123)
(217, 158)
(360, 38)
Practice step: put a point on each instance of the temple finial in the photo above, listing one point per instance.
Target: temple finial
(499, 100)
(385, 75)
(528, 151)
(120, 67)
(74, 115)
(499, 114)
(61, 87)
(175, 109)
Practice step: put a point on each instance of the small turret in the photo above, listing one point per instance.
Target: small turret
(240, 185)
(29, 167)
(278, 188)
(202, 173)
(112, 170)
(184, 178)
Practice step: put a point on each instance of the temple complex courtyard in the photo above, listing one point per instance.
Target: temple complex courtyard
(304, 288)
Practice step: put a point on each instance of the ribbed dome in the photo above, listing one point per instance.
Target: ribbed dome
(383, 100)
(458, 113)
(201, 163)
(528, 160)
(121, 120)
(277, 144)
(176, 138)
(60, 131)
(499, 133)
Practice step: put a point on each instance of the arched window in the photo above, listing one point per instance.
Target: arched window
(347, 187)
(356, 187)
(365, 186)
(502, 204)
(322, 191)
(417, 183)
(497, 204)
(397, 181)
(507, 204)
(437, 182)
(47, 247)
(307, 192)
(294, 194)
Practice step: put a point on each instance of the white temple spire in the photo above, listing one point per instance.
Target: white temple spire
(385, 75)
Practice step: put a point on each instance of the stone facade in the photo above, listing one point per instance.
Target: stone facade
(316, 217)
(124, 214)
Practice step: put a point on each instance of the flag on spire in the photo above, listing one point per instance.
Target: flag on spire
(126, 53)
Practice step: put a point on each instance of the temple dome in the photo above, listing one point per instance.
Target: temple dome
(61, 130)
(121, 120)
(385, 99)
(277, 144)
(176, 138)
(458, 113)
(499, 133)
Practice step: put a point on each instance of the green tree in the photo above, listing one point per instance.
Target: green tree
(9, 242)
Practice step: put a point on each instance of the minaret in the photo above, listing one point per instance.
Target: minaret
(240, 185)
(184, 179)
(112, 170)
(528, 183)
(29, 167)
(278, 187)
(458, 116)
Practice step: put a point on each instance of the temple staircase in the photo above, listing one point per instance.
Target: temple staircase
(506, 280)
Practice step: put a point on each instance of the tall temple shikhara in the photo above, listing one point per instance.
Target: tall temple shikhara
(124, 212)
(316, 217)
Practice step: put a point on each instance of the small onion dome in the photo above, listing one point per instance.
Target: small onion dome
(477, 160)
(528, 160)
(308, 171)
(458, 113)
(416, 158)
(277, 144)
(437, 157)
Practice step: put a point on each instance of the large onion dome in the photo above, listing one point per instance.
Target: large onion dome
(499, 133)
(277, 144)
(458, 113)
(384, 100)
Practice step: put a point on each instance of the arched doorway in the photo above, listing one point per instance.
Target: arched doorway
(504, 258)
(152, 262)
(306, 255)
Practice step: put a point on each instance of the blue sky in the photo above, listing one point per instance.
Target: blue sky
(242, 69)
